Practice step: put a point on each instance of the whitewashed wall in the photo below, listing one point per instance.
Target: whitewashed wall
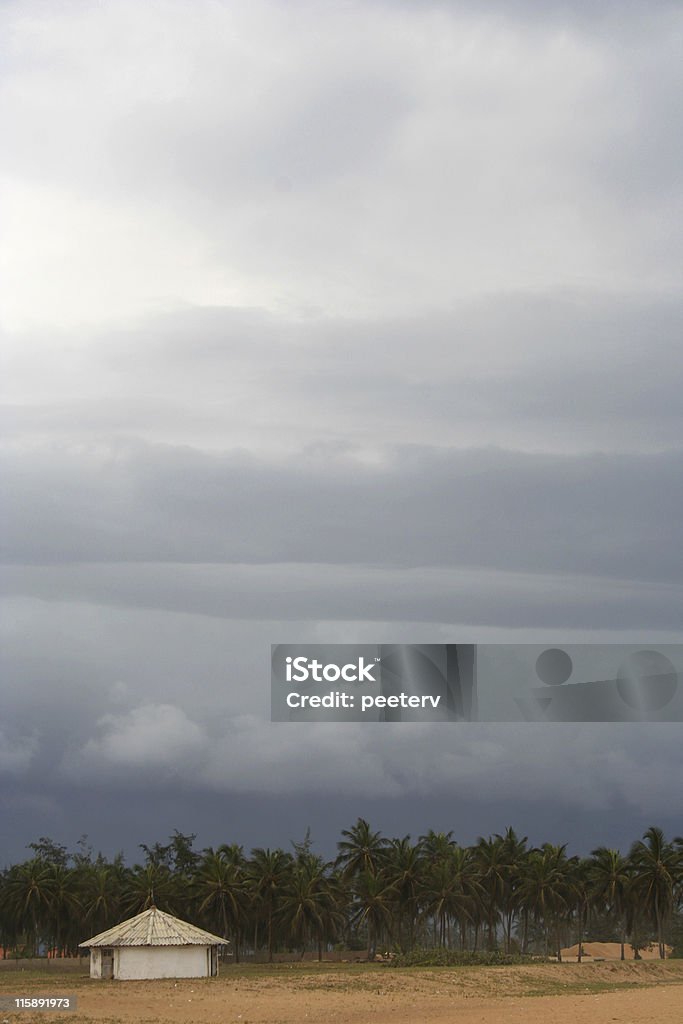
(95, 963)
(131, 962)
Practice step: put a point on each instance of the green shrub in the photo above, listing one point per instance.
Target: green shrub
(456, 958)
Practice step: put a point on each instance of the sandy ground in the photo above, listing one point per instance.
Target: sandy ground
(602, 993)
(611, 951)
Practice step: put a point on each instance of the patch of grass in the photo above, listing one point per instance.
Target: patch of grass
(301, 968)
(62, 980)
(457, 958)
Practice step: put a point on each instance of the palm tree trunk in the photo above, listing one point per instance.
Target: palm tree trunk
(371, 941)
(660, 939)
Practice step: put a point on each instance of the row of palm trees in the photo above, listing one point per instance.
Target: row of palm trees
(499, 893)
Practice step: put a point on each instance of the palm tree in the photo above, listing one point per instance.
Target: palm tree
(233, 853)
(492, 860)
(149, 886)
(362, 850)
(435, 848)
(516, 855)
(404, 869)
(451, 891)
(580, 895)
(101, 896)
(29, 891)
(610, 880)
(268, 873)
(374, 898)
(436, 845)
(310, 903)
(656, 867)
(543, 890)
(63, 912)
(220, 889)
(678, 881)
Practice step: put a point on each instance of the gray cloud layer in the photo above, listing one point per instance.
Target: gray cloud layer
(383, 158)
(330, 324)
(565, 371)
(611, 515)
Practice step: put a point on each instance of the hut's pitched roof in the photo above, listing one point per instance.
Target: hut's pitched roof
(154, 928)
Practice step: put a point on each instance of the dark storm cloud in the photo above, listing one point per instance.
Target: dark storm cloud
(611, 515)
(121, 698)
(253, 820)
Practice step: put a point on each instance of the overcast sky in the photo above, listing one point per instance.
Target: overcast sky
(335, 323)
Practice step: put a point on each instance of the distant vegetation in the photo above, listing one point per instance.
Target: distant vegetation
(429, 901)
(436, 957)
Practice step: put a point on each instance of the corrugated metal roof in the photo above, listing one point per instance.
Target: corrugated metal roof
(154, 928)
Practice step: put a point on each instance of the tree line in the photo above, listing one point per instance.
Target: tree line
(379, 893)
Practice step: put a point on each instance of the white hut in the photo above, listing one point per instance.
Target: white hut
(153, 945)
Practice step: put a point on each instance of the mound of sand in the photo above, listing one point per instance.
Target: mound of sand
(610, 951)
